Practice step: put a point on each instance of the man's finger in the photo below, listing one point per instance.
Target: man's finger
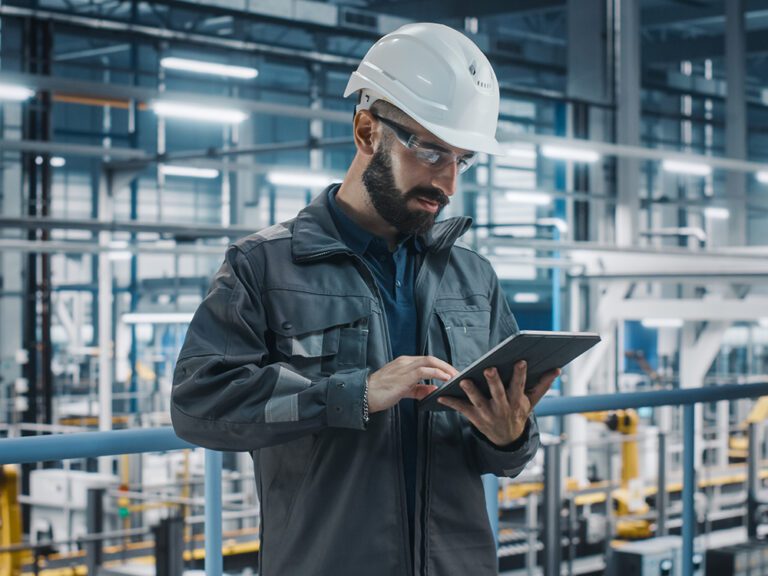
(427, 372)
(517, 385)
(437, 363)
(461, 406)
(421, 391)
(474, 395)
(543, 386)
(495, 385)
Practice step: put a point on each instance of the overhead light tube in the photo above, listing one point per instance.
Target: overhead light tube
(717, 213)
(762, 176)
(662, 323)
(157, 318)
(212, 68)
(298, 179)
(188, 171)
(535, 198)
(15, 93)
(688, 168)
(526, 298)
(171, 109)
(567, 153)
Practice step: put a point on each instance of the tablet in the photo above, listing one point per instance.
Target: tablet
(544, 351)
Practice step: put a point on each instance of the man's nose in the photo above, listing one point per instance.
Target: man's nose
(446, 178)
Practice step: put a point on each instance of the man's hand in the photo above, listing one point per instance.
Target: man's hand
(502, 417)
(403, 378)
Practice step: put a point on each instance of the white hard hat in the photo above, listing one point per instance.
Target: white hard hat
(437, 76)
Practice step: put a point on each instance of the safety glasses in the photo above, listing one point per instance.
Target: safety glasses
(428, 154)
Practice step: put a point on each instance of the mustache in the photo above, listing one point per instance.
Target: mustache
(432, 194)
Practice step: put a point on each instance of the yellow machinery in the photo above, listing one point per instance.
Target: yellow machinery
(739, 445)
(10, 520)
(629, 498)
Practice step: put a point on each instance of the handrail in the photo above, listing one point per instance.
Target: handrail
(93, 444)
(30, 449)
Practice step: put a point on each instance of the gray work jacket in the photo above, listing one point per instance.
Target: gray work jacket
(275, 362)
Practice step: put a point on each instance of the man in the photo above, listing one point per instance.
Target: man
(319, 335)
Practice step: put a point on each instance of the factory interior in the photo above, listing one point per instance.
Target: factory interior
(140, 138)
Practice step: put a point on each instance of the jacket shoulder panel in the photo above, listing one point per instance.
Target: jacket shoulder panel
(276, 232)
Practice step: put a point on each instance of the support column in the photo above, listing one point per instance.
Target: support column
(552, 502)
(627, 98)
(588, 80)
(11, 296)
(736, 119)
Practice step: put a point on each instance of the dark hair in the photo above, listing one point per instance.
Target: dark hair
(390, 111)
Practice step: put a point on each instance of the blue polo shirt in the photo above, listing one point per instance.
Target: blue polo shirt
(395, 275)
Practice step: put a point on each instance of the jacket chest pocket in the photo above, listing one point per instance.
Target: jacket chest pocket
(467, 331)
(319, 334)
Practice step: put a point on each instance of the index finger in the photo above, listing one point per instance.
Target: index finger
(434, 362)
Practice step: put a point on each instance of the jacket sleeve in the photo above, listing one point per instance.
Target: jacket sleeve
(491, 459)
(227, 395)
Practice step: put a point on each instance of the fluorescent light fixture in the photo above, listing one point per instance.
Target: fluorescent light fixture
(158, 318)
(565, 153)
(118, 251)
(58, 162)
(299, 179)
(716, 213)
(170, 109)
(15, 93)
(689, 168)
(200, 67)
(763, 322)
(535, 198)
(762, 176)
(662, 323)
(526, 298)
(521, 153)
(188, 171)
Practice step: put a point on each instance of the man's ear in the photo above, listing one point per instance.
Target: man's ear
(364, 133)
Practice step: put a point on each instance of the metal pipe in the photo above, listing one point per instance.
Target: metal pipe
(753, 481)
(214, 561)
(689, 487)
(491, 488)
(93, 444)
(89, 445)
(552, 518)
(179, 36)
(661, 487)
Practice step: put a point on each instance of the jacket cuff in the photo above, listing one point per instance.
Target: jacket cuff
(344, 399)
(513, 446)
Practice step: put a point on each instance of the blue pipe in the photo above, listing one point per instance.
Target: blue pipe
(491, 487)
(679, 397)
(93, 444)
(214, 561)
(31, 449)
(689, 478)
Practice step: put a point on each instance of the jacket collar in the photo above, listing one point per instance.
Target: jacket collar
(315, 234)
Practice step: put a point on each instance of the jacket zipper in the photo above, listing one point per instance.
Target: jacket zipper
(396, 420)
(371, 282)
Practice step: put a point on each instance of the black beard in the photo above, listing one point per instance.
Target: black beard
(392, 204)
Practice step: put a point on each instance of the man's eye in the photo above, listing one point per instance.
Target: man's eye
(431, 156)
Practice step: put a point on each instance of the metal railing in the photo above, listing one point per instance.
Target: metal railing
(95, 444)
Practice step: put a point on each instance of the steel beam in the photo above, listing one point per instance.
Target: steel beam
(736, 119)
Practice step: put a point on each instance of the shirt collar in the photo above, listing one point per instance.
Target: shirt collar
(355, 236)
